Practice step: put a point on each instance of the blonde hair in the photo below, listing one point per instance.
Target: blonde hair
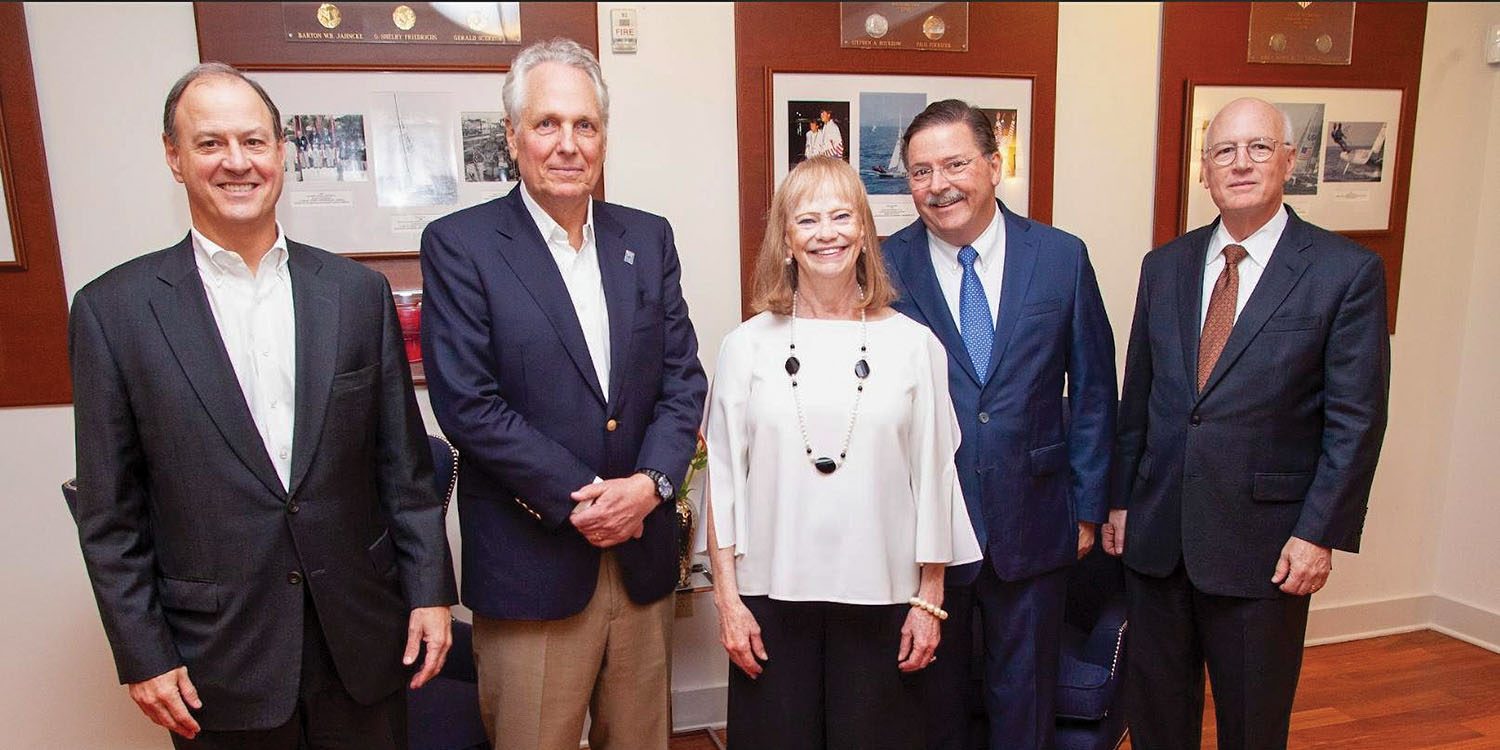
(774, 278)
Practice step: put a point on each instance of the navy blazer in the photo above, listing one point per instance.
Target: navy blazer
(1028, 480)
(1283, 439)
(514, 388)
(197, 553)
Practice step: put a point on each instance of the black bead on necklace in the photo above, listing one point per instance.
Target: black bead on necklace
(826, 464)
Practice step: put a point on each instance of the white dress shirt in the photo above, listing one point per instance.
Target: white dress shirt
(858, 535)
(990, 266)
(580, 273)
(1258, 247)
(257, 322)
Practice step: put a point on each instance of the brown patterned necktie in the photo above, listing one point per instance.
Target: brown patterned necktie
(1220, 319)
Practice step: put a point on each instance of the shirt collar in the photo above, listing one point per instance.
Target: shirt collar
(553, 232)
(987, 244)
(217, 261)
(1259, 245)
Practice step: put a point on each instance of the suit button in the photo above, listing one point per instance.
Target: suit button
(293, 508)
(611, 425)
(984, 417)
(1196, 420)
(294, 578)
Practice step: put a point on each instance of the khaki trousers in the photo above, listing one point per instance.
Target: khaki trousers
(539, 678)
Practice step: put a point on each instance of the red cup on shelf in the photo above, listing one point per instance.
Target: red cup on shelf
(409, 315)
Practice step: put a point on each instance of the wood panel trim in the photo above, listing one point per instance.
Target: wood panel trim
(1202, 43)
(33, 298)
(1015, 40)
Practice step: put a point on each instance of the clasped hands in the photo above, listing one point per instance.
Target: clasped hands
(1301, 569)
(612, 511)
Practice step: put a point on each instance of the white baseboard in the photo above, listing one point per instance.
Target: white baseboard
(1352, 622)
(702, 708)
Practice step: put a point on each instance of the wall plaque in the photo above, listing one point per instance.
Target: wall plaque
(942, 27)
(403, 23)
(1316, 33)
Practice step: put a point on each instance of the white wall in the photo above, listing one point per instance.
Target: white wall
(103, 69)
(1468, 561)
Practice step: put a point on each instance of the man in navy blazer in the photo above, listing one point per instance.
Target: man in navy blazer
(563, 366)
(1017, 306)
(1253, 411)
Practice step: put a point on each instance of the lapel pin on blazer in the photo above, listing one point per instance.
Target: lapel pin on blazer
(630, 257)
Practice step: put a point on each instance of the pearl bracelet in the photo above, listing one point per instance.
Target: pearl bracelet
(928, 607)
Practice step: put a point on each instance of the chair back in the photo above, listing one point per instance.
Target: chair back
(444, 468)
(70, 496)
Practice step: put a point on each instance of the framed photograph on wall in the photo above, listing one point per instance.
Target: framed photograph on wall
(860, 118)
(1345, 141)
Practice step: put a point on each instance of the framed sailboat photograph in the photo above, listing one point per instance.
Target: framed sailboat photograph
(867, 114)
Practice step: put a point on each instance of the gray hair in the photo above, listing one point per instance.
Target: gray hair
(214, 70)
(560, 50)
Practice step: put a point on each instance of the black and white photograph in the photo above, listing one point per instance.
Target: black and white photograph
(1354, 152)
(817, 128)
(486, 157)
(326, 148)
(1307, 139)
(413, 135)
(883, 117)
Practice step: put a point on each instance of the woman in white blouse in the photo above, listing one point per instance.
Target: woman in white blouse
(833, 504)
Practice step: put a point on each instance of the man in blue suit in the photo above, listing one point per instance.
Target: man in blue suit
(1253, 412)
(1017, 306)
(562, 364)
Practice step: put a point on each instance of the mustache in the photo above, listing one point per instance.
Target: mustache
(951, 195)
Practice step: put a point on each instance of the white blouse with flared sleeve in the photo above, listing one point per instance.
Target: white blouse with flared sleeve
(857, 535)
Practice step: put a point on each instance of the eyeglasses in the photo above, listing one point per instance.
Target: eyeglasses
(951, 170)
(1259, 150)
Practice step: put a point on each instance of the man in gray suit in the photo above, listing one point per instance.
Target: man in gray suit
(254, 486)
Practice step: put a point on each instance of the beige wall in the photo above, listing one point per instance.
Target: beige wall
(102, 69)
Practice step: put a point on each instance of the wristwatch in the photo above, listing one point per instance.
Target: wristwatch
(664, 489)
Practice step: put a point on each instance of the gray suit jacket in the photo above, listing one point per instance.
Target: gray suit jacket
(196, 552)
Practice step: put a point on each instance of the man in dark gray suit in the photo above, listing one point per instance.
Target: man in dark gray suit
(254, 485)
(1251, 419)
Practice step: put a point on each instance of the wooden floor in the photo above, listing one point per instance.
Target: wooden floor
(1415, 691)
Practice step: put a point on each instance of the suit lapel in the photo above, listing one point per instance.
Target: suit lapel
(620, 294)
(1190, 269)
(1285, 267)
(922, 287)
(531, 261)
(316, 304)
(1020, 262)
(188, 324)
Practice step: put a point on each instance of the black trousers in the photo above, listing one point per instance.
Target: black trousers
(1253, 649)
(326, 717)
(831, 680)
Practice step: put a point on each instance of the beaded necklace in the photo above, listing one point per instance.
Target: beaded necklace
(825, 464)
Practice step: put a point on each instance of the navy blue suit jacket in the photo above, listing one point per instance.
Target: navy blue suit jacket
(1283, 439)
(1027, 479)
(514, 388)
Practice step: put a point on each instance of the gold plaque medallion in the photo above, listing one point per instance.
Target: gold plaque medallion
(404, 17)
(1278, 42)
(476, 21)
(934, 28)
(329, 15)
(1324, 43)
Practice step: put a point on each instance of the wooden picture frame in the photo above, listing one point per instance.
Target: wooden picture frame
(33, 299)
(1006, 40)
(1202, 43)
(250, 36)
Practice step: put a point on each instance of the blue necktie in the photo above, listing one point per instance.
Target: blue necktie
(974, 321)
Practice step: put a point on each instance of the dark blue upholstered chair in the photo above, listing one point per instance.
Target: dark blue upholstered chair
(444, 714)
(1090, 713)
